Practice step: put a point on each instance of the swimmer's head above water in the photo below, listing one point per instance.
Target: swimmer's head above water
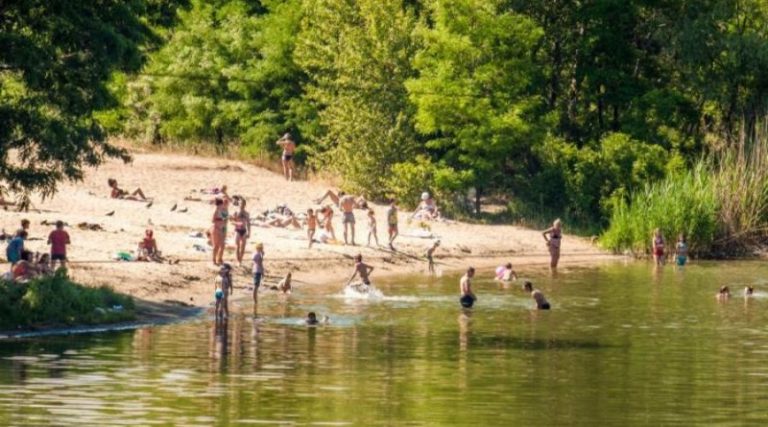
(724, 291)
(528, 286)
(312, 318)
(749, 290)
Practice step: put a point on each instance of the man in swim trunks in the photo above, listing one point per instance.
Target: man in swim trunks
(363, 269)
(541, 302)
(288, 149)
(468, 297)
(347, 204)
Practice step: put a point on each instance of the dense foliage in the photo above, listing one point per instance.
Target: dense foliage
(563, 107)
(55, 300)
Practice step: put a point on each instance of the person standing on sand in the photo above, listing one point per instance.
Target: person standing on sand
(347, 204)
(311, 226)
(223, 289)
(328, 221)
(430, 260)
(242, 220)
(59, 239)
(392, 223)
(468, 297)
(657, 247)
(554, 236)
(363, 269)
(219, 231)
(372, 227)
(541, 302)
(258, 271)
(289, 146)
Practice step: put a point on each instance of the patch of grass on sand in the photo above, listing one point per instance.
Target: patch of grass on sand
(57, 301)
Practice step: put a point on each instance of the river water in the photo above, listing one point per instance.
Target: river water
(622, 345)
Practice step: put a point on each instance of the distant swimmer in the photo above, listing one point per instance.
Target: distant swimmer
(681, 250)
(505, 273)
(749, 291)
(363, 269)
(468, 297)
(541, 302)
(313, 321)
(723, 294)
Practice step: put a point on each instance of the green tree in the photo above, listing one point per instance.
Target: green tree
(473, 93)
(55, 58)
(358, 56)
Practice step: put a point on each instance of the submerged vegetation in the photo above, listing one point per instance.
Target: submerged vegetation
(55, 300)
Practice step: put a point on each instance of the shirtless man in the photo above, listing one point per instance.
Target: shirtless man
(360, 202)
(347, 204)
(288, 149)
(541, 302)
(468, 297)
(363, 269)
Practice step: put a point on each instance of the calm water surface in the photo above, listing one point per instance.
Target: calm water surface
(622, 345)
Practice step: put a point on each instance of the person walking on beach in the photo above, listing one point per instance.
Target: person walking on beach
(219, 230)
(430, 260)
(242, 220)
(258, 270)
(362, 269)
(541, 302)
(59, 239)
(372, 227)
(392, 223)
(347, 204)
(468, 297)
(657, 247)
(311, 226)
(289, 146)
(554, 236)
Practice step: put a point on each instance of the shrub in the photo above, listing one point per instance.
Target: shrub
(55, 300)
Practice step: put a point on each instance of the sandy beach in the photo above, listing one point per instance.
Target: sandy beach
(171, 179)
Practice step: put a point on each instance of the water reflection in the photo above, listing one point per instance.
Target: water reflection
(620, 346)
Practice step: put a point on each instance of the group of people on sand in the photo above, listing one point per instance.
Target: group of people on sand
(25, 264)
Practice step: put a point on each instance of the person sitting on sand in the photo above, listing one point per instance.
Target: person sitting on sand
(467, 297)
(15, 248)
(749, 291)
(44, 265)
(23, 270)
(284, 285)
(681, 250)
(359, 201)
(289, 147)
(429, 255)
(723, 294)
(505, 273)
(311, 226)
(363, 269)
(148, 248)
(541, 302)
(119, 193)
(427, 209)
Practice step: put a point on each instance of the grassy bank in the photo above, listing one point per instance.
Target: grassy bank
(56, 301)
(721, 205)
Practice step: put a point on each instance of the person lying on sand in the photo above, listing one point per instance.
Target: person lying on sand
(119, 193)
(359, 201)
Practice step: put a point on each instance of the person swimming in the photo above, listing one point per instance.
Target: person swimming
(749, 291)
(541, 302)
(723, 294)
(312, 319)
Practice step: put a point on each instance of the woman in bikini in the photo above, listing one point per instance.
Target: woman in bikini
(219, 231)
(288, 148)
(119, 193)
(553, 236)
(242, 221)
(328, 221)
(657, 245)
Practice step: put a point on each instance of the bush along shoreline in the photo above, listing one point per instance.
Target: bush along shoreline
(51, 301)
(721, 205)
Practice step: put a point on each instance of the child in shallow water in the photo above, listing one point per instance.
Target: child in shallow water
(681, 250)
